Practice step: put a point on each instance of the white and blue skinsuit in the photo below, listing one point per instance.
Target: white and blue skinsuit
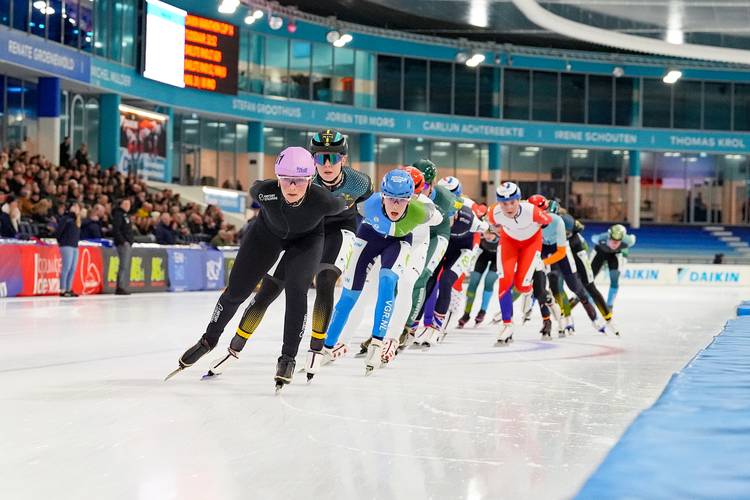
(377, 236)
(603, 252)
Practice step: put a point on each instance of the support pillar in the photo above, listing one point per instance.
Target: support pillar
(255, 153)
(634, 190)
(367, 156)
(109, 130)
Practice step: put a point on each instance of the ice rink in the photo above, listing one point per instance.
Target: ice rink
(85, 413)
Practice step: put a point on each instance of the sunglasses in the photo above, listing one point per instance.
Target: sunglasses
(289, 181)
(332, 158)
(396, 201)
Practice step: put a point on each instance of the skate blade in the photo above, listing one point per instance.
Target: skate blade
(173, 373)
(369, 370)
(210, 375)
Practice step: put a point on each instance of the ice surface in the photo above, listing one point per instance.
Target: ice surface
(84, 412)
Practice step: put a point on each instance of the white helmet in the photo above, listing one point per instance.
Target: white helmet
(452, 184)
(508, 191)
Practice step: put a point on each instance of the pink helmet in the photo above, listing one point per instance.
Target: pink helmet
(295, 162)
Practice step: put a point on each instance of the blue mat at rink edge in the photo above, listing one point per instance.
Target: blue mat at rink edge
(694, 442)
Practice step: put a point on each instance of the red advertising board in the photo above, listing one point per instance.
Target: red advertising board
(40, 267)
(87, 279)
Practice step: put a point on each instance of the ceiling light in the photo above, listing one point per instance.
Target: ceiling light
(475, 60)
(346, 38)
(333, 36)
(462, 57)
(228, 6)
(275, 22)
(258, 14)
(617, 71)
(249, 19)
(675, 36)
(672, 76)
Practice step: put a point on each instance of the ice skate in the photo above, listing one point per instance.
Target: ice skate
(600, 326)
(334, 353)
(390, 350)
(480, 317)
(546, 330)
(612, 328)
(527, 305)
(374, 355)
(431, 337)
(405, 339)
(463, 320)
(221, 364)
(497, 319)
(190, 357)
(570, 327)
(284, 372)
(313, 363)
(363, 347)
(505, 336)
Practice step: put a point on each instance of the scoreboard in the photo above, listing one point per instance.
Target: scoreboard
(188, 50)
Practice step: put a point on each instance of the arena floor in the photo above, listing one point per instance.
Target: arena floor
(85, 413)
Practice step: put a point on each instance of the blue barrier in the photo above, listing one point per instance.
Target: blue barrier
(744, 308)
(694, 441)
(213, 265)
(186, 269)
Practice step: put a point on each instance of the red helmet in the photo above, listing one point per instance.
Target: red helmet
(479, 209)
(417, 177)
(538, 200)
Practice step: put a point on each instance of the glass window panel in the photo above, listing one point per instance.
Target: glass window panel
(299, 70)
(343, 69)
(552, 174)
(101, 27)
(129, 35)
(741, 106)
(572, 98)
(687, 104)
(38, 21)
(92, 128)
(389, 154)
(656, 103)
(610, 202)
(489, 88)
(243, 63)
(243, 159)
(365, 64)
(544, 107)
(15, 116)
(415, 85)
(600, 100)
(257, 63)
(717, 102)
(516, 94)
(226, 155)
(465, 91)
(86, 24)
(443, 154)
(441, 81)
(581, 183)
(322, 72)
(389, 82)
(115, 41)
(277, 61)
(21, 14)
(5, 12)
(54, 20)
(524, 167)
(415, 149)
(624, 102)
(273, 139)
(468, 156)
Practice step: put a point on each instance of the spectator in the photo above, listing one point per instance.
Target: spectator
(163, 231)
(195, 224)
(82, 155)
(91, 228)
(122, 232)
(65, 152)
(223, 238)
(10, 216)
(68, 234)
(24, 202)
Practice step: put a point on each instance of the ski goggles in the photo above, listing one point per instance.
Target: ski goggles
(396, 201)
(287, 181)
(332, 158)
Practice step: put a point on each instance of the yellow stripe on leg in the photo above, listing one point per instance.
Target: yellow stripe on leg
(243, 334)
(317, 335)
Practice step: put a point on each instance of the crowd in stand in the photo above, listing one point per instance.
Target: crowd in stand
(36, 197)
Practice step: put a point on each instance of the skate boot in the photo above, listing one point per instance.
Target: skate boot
(612, 328)
(497, 318)
(363, 347)
(374, 355)
(390, 350)
(505, 336)
(600, 326)
(480, 317)
(430, 337)
(332, 354)
(313, 362)
(190, 357)
(221, 364)
(439, 324)
(406, 338)
(463, 320)
(284, 371)
(570, 327)
(546, 329)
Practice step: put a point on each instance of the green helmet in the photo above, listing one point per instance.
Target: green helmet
(328, 141)
(617, 232)
(428, 169)
(553, 207)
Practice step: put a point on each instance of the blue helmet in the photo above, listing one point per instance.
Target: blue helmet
(452, 184)
(508, 191)
(397, 184)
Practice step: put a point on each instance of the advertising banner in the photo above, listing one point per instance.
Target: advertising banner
(36, 53)
(214, 270)
(88, 277)
(186, 269)
(11, 278)
(143, 143)
(148, 270)
(680, 274)
(229, 258)
(40, 268)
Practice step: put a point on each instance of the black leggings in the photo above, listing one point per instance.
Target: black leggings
(259, 250)
(594, 292)
(563, 268)
(542, 296)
